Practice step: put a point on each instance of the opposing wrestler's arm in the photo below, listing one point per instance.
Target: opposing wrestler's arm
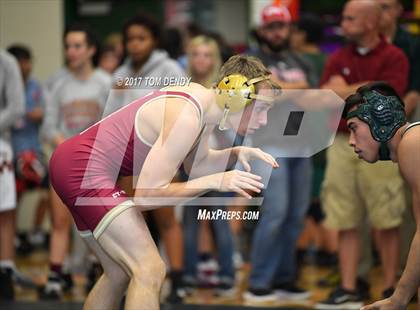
(177, 136)
(409, 162)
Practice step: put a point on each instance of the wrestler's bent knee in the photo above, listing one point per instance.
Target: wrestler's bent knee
(152, 273)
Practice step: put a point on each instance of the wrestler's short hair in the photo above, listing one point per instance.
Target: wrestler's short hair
(249, 66)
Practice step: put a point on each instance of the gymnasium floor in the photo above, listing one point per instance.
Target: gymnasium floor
(77, 306)
(35, 266)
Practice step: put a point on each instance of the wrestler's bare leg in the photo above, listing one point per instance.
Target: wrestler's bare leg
(127, 241)
(111, 286)
(169, 228)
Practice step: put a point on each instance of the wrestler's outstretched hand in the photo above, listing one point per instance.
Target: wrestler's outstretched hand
(246, 154)
(239, 181)
(385, 304)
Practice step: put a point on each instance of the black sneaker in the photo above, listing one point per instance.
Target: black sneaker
(52, 290)
(363, 287)
(291, 291)
(174, 297)
(21, 279)
(7, 291)
(225, 288)
(388, 292)
(67, 282)
(37, 239)
(190, 284)
(23, 246)
(260, 295)
(341, 299)
(177, 292)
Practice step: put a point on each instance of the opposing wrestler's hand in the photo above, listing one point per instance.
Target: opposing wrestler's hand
(385, 304)
(246, 154)
(239, 181)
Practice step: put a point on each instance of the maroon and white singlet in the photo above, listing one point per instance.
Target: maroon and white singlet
(87, 165)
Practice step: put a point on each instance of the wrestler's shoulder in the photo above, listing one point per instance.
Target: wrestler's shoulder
(411, 137)
(409, 147)
(197, 91)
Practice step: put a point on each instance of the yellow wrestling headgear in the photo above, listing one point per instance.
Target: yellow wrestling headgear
(234, 92)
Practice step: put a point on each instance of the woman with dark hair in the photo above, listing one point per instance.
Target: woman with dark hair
(145, 63)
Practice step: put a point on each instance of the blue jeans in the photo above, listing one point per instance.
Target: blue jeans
(286, 200)
(223, 240)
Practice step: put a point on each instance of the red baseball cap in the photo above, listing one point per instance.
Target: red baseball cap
(275, 13)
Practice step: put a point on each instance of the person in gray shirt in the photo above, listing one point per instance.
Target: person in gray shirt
(12, 98)
(12, 107)
(146, 67)
(76, 102)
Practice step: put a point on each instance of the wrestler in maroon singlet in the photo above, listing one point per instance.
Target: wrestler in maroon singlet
(88, 164)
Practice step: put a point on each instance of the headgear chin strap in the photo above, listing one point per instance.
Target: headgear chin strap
(384, 115)
(234, 92)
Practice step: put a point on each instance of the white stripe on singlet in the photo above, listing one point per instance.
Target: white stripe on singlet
(409, 127)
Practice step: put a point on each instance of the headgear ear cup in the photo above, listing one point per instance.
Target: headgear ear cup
(234, 92)
(385, 115)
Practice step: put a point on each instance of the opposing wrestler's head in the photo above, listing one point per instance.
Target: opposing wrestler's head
(374, 114)
(245, 92)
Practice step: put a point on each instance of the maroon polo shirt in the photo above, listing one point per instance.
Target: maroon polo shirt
(385, 62)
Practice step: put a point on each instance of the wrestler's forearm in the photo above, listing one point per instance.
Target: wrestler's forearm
(410, 279)
(216, 156)
(216, 161)
(174, 193)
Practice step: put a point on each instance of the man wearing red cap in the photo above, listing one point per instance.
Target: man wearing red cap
(286, 198)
